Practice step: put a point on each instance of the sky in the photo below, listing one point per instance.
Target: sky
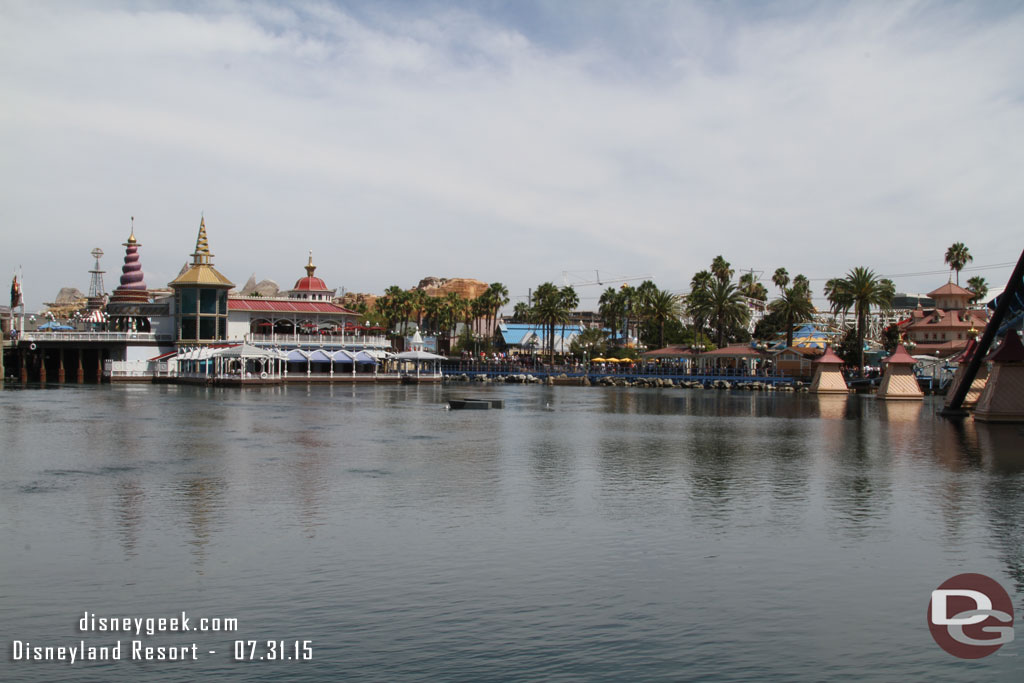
(521, 142)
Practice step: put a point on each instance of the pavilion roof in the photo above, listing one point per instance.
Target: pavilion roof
(733, 351)
(286, 306)
(951, 288)
(829, 358)
(670, 352)
(900, 357)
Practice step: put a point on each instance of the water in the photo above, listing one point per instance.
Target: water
(617, 534)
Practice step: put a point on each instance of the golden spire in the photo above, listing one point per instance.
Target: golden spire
(202, 253)
(131, 238)
(310, 268)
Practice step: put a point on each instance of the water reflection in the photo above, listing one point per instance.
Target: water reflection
(603, 525)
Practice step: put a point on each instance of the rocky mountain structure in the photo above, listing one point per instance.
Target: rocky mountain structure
(264, 288)
(468, 288)
(69, 300)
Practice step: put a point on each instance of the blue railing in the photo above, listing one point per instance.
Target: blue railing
(732, 375)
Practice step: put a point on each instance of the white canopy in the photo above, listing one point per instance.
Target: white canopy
(419, 355)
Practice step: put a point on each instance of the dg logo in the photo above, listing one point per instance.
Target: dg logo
(970, 616)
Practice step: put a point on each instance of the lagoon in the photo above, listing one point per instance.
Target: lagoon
(583, 534)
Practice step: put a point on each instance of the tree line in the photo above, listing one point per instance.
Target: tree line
(717, 306)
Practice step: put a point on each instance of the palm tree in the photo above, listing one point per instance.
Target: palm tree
(451, 314)
(750, 287)
(977, 285)
(521, 313)
(795, 306)
(780, 278)
(627, 304)
(432, 312)
(957, 256)
(610, 310)
(801, 282)
(419, 301)
(697, 306)
(662, 306)
(860, 290)
(569, 300)
(591, 341)
(721, 270)
(390, 306)
(547, 299)
(723, 304)
(497, 296)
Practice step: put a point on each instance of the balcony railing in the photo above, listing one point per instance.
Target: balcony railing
(43, 336)
(374, 341)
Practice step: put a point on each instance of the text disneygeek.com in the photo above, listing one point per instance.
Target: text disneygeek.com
(140, 650)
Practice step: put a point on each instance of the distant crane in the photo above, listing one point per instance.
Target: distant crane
(597, 279)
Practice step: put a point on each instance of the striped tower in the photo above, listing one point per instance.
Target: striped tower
(977, 386)
(899, 382)
(1003, 397)
(828, 375)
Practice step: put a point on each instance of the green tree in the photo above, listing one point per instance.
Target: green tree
(958, 256)
(547, 311)
(979, 287)
(592, 341)
(794, 306)
(522, 313)
(569, 301)
(697, 303)
(891, 338)
(750, 287)
(860, 290)
(780, 278)
(497, 297)
(723, 305)
(721, 269)
(801, 282)
(661, 307)
(610, 309)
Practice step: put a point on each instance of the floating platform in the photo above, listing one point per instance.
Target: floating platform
(476, 403)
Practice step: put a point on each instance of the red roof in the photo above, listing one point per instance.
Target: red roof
(900, 357)
(951, 288)
(669, 352)
(287, 306)
(830, 358)
(734, 350)
(312, 284)
(1010, 351)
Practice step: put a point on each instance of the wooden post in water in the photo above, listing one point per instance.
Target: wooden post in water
(81, 370)
(42, 366)
(99, 366)
(955, 406)
(60, 368)
(23, 365)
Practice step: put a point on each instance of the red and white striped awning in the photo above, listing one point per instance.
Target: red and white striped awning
(97, 316)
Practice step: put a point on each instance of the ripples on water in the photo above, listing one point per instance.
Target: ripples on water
(622, 535)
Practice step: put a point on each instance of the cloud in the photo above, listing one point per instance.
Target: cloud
(509, 141)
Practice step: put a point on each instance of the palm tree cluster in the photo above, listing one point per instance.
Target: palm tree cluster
(549, 307)
(716, 302)
(628, 307)
(860, 290)
(439, 314)
(794, 303)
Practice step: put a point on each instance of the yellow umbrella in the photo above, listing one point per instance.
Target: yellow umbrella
(598, 360)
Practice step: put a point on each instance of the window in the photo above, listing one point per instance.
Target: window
(187, 299)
